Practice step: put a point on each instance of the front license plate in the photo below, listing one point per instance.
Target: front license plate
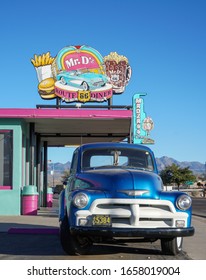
(101, 220)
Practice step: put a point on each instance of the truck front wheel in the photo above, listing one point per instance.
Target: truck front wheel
(171, 246)
(72, 244)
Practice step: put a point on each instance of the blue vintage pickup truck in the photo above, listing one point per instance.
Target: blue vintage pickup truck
(114, 193)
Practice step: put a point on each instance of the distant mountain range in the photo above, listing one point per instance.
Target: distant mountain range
(59, 167)
(196, 167)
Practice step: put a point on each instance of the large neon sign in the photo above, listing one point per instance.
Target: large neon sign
(80, 73)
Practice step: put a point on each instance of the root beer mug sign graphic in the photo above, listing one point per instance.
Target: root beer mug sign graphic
(118, 71)
(80, 73)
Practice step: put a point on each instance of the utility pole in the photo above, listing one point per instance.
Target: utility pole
(205, 171)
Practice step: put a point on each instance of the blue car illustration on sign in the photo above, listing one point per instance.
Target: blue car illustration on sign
(114, 194)
(83, 79)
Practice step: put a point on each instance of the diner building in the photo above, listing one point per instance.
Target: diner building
(26, 134)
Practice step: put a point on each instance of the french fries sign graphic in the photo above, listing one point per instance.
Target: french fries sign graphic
(80, 73)
(42, 60)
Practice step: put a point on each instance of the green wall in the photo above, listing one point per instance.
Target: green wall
(10, 200)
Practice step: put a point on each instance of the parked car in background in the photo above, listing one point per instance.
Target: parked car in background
(114, 193)
(57, 189)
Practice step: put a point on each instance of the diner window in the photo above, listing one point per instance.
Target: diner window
(6, 159)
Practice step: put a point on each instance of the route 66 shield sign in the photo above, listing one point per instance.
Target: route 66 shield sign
(84, 95)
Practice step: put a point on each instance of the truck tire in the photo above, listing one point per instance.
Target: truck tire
(72, 244)
(171, 246)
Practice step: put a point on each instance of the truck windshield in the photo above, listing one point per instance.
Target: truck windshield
(110, 158)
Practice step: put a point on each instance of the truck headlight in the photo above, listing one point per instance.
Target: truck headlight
(184, 202)
(80, 200)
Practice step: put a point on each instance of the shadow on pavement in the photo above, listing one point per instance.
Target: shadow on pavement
(47, 246)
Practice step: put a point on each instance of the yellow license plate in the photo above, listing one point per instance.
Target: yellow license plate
(101, 220)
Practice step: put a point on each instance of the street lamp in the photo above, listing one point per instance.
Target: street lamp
(52, 171)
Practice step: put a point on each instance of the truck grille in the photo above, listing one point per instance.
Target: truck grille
(135, 213)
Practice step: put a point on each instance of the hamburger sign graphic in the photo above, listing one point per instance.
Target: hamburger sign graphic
(80, 73)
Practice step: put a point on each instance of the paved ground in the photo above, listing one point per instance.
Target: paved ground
(47, 219)
(195, 245)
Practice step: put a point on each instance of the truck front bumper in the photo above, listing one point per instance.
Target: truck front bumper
(134, 232)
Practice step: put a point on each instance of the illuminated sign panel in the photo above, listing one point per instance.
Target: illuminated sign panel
(80, 73)
(142, 125)
(80, 57)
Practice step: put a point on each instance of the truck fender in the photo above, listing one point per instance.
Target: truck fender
(62, 205)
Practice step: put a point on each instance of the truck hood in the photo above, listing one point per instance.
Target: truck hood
(124, 183)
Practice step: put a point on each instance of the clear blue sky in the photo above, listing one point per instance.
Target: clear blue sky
(164, 40)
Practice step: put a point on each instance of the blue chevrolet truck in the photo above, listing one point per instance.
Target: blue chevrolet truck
(114, 194)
